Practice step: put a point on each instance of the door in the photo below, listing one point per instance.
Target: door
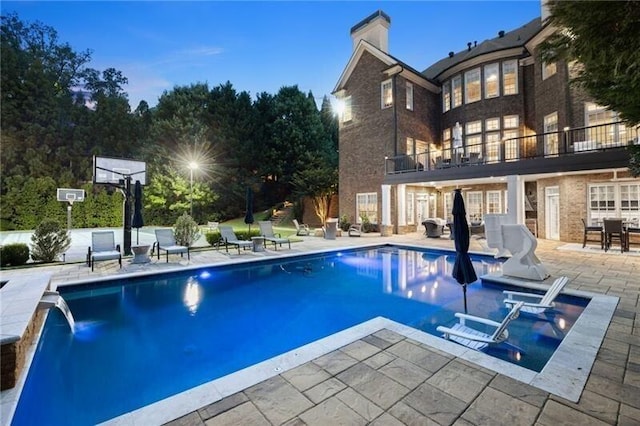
(422, 208)
(552, 212)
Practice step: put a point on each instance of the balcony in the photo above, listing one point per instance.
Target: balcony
(562, 151)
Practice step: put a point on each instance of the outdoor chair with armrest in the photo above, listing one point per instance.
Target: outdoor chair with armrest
(301, 228)
(536, 303)
(475, 339)
(229, 238)
(103, 247)
(355, 230)
(266, 229)
(165, 240)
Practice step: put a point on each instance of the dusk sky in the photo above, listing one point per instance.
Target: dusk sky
(259, 46)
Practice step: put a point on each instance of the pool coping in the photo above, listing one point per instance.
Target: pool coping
(565, 374)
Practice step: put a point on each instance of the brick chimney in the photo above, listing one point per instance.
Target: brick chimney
(374, 29)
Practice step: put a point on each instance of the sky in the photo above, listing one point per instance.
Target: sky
(259, 46)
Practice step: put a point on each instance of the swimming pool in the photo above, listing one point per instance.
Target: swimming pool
(143, 339)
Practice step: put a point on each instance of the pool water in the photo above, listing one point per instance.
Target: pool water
(141, 340)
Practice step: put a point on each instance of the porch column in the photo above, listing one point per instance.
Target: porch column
(402, 205)
(515, 201)
(386, 228)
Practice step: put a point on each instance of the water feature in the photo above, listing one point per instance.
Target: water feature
(52, 299)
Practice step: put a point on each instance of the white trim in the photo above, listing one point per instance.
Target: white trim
(479, 60)
(355, 58)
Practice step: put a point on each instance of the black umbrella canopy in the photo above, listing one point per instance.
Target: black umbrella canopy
(137, 221)
(463, 270)
(248, 218)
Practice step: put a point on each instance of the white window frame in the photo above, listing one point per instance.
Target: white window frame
(615, 199)
(494, 198)
(447, 205)
(510, 89)
(446, 96)
(456, 91)
(347, 111)
(473, 201)
(551, 141)
(411, 209)
(409, 92)
(492, 147)
(492, 124)
(369, 203)
(491, 70)
(446, 144)
(606, 136)
(386, 94)
(472, 80)
(511, 125)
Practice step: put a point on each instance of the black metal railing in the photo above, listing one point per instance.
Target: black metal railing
(546, 145)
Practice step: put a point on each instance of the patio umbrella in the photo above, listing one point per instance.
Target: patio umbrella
(137, 221)
(248, 218)
(463, 270)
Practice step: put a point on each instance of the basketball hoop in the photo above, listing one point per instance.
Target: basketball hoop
(70, 196)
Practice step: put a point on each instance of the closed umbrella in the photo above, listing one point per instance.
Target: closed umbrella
(137, 221)
(248, 218)
(463, 270)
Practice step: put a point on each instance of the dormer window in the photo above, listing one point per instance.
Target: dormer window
(386, 92)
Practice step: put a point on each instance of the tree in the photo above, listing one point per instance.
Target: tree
(603, 38)
(319, 181)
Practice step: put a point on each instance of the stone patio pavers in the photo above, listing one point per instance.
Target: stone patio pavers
(361, 405)
(243, 414)
(378, 388)
(461, 381)
(493, 407)
(522, 391)
(278, 400)
(435, 404)
(332, 412)
(324, 390)
(555, 414)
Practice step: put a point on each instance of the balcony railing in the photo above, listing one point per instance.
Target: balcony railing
(546, 145)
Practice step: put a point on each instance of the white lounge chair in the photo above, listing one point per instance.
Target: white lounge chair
(229, 238)
(355, 230)
(301, 229)
(476, 339)
(165, 240)
(266, 229)
(103, 247)
(536, 303)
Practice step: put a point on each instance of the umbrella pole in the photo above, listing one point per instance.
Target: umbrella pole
(464, 291)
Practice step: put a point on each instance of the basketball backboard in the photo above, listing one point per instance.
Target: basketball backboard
(114, 171)
(70, 195)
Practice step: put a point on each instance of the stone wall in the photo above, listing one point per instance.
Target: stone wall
(13, 355)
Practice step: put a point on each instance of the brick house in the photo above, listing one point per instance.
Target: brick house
(492, 119)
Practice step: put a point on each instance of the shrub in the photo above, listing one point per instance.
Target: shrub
(15, 254)
(344, 223)
(367, 226)
(49, 241)
(213, 237)
(186, 230)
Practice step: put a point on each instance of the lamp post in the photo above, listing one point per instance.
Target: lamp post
(192, 166)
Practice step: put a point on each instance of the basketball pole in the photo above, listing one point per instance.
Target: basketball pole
(69, 215)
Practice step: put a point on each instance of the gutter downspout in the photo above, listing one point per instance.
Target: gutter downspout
(395, 112)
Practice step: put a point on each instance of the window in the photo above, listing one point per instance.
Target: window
(548, 69)
(494, 204)
(493, 147)
(472, 86)
(491, 81)
(367, 206)
(614, 200)
(409, 96)
(386, 91)
(509, 135)
(491, 124)
(347, 114)
(410, 208)
(446, 96)
(457, 91)
(448, 206)
(473, 201)
(607, 133)
(510, 77)
(551, 134)
(474, 139)
(446, 143)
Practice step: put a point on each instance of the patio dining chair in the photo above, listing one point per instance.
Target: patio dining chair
(613, 230)
(590, 230)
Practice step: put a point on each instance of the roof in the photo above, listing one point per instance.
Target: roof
(365, 21)
(515, 38)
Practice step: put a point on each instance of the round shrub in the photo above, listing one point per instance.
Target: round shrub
(15, 254)
(186, 230)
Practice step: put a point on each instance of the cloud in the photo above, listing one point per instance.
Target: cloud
(203, 51)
